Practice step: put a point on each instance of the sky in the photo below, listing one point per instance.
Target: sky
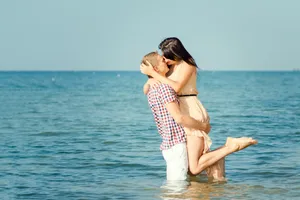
(116, 34)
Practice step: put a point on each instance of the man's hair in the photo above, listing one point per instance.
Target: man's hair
(151, 58)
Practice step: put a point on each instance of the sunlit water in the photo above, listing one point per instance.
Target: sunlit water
(91, 135)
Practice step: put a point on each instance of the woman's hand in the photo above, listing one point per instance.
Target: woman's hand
(153, 83)
(147, 69)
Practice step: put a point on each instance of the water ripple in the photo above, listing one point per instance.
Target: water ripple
(71, 135)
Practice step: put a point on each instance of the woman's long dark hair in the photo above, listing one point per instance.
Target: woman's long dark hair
(173, 49)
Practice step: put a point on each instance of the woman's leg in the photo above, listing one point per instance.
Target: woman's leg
(195, 147)
(198, 162)
(217, 171)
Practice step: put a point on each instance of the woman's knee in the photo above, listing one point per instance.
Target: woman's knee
(193, 171)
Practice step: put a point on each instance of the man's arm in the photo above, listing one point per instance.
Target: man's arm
(146, 87)
(186, 120)
(170, 100)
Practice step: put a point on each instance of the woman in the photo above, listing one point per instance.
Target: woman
(182, 78)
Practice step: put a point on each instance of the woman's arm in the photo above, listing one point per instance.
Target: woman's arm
(185, 74)
(151, 82)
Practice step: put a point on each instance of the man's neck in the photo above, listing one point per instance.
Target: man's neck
(164, 75)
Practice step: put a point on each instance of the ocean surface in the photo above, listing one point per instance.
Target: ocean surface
(91, 135)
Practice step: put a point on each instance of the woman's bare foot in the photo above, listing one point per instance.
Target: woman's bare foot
(237, 144)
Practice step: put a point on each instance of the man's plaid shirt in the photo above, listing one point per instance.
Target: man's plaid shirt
(171, 132)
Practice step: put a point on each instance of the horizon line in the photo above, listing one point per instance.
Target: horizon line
(128, 70)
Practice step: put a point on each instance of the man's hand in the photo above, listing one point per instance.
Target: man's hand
(206, 127)
(186, 120)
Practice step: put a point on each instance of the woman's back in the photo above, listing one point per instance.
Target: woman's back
(191, 86)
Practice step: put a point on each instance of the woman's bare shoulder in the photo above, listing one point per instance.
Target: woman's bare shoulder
(184, 66)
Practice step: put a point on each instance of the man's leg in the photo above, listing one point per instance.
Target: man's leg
(177, 162)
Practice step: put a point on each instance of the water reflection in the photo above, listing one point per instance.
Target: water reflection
(193, 189)
(196, 189)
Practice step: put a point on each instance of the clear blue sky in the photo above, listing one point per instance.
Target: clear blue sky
(115, 34)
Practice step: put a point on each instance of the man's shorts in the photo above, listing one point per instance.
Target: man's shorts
(177, 162)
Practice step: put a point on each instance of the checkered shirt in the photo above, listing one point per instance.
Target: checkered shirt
(170, 132)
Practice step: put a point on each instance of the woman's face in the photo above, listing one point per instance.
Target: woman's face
(169, 61)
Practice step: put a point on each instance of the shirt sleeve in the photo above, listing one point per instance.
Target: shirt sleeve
(167, 94)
